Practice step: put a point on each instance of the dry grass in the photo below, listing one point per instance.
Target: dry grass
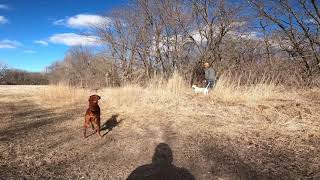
(160, 90)
(229, 90)
(62, 95)
(236, 132)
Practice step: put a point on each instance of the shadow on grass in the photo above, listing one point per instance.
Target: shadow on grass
(161, 167)
(111, 123)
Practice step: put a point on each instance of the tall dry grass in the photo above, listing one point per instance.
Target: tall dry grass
(61, 94)
(171, 97)
(161, 92)
(230, 90)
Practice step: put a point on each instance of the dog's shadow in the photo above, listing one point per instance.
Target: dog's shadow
(111, 123)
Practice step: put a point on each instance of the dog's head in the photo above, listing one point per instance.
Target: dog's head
(194, 86)
(94, 98)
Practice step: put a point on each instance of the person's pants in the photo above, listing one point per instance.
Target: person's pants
(210, 84)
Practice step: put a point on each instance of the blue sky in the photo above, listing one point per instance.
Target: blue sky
(35, 33)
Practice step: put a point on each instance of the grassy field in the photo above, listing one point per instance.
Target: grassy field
(252, 132)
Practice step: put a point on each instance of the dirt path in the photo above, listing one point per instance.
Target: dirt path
(46, 143)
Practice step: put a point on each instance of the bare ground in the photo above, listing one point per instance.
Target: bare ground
(276, 139)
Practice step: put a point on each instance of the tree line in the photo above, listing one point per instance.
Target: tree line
(249, 40)
(19, 77)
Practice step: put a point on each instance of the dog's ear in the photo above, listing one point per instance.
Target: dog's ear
(90, 98)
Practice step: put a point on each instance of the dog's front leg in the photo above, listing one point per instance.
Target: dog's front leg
(85, 126)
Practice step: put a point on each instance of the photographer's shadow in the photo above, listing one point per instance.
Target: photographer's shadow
(161, 167)
(111, 123)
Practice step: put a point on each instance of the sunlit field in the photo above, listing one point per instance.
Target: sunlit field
(260, 131)
(148, 64)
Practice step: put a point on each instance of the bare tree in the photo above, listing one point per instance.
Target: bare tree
(3, 70)
(150, 37)
(298, 29)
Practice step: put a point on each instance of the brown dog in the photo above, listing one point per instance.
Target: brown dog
(92, 115)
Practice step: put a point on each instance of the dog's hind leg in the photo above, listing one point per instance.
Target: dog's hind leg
(92, 126)
(85, 130)
(98, 126)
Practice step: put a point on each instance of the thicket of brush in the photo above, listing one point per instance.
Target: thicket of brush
(20, 77)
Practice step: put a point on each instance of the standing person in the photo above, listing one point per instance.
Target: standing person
(210, 75)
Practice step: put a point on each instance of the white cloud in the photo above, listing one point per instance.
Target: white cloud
(45, 43)
(72, 39)
(59, 22)
(3, 6)
(251, 35)
(198, 37)
(83, 21)
(9, 44)
(3, 20)
(311, 21)
(29, 51)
